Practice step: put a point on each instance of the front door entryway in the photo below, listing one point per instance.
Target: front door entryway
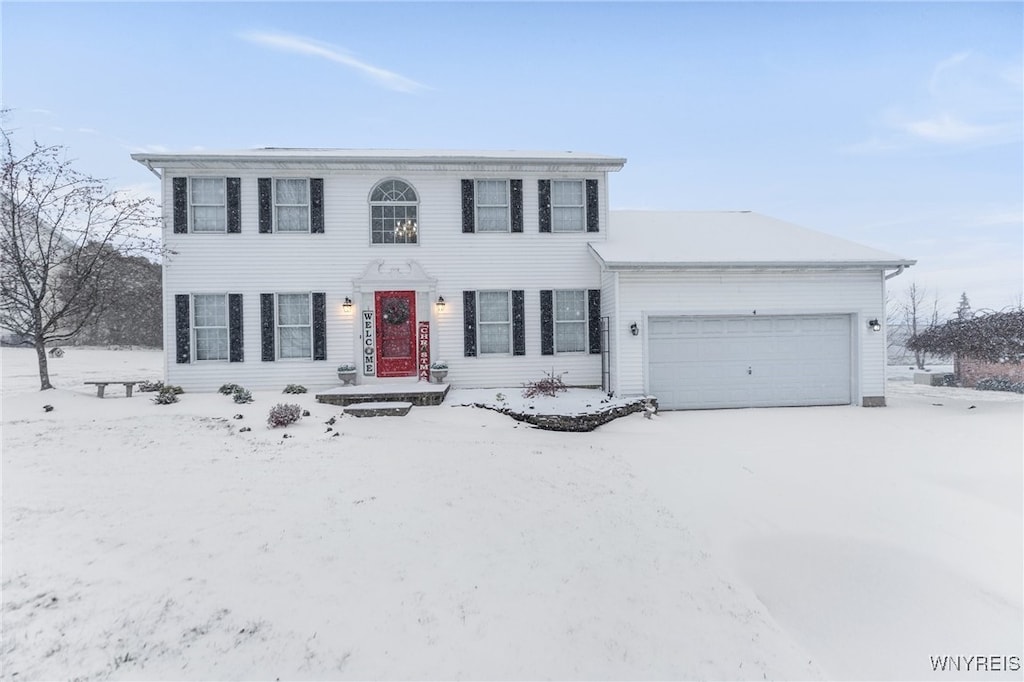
(396, 333)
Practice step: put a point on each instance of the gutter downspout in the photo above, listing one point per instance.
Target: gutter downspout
(899, 271)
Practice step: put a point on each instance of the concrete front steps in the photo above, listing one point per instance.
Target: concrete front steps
(419, 393)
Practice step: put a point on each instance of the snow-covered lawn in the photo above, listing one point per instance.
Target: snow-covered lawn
(160, 542)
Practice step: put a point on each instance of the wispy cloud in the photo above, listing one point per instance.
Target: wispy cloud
(968, 100)
(315, 48)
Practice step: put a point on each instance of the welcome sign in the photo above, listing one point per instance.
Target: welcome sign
(369, 349)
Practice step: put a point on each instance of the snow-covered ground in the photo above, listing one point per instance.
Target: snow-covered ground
(160, 542)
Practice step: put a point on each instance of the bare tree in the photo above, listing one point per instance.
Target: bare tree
(912, 308)
(61, 231)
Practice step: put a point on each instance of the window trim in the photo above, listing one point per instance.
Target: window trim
(480, 324)
(278, 346)
(582, 206)
(414, 204)
(555, 322)
(192, 204)
(477, 205)
(275, 204)
(193, 327)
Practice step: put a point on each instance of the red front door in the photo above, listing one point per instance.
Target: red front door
(396, 333)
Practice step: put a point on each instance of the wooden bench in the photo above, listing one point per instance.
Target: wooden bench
(102, 385)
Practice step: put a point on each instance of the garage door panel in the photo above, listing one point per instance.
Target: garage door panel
(708, 362)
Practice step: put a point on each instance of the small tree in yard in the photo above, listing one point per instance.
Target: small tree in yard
(62, 233)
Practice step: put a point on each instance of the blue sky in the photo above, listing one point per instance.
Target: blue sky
(898, 125)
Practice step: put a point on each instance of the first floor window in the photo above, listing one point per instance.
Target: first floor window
(567, 206)
(291, 204)
(210, 326)
(294, 326)
(208, 204)
(570, 321)
(495, 322)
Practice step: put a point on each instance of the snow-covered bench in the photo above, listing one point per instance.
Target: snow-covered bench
(102, 385)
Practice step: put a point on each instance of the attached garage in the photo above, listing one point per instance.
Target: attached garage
(699, 362)
(721, 309)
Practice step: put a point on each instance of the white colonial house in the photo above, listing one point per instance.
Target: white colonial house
(283, 264)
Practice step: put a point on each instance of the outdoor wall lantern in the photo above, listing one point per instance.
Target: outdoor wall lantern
(874, 326)
(347, 305)
(633, 329)
(440, 304)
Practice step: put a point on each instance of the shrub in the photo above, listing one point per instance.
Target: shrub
(284, 414)
(294, 388)
(1000, 384)
(241, 395)
(551, 385)
(167, 395)
(228, 389)
(150, 386)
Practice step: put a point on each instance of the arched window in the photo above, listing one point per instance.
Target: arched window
(393, 205)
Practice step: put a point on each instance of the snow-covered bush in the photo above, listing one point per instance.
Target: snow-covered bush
(284, 414)
(228, 389)
(241, 395)
(150, 386)
(294, 388)
(1000, 384)
(551, 385)
(167, 395)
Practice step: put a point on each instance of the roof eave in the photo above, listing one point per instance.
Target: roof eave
(754, 265)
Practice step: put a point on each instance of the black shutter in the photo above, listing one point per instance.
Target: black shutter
(182, 332)
(592, 204)
(234, 192)
(547, 322)
(236, 351)
(516, 190)
(469, 323)
(468, 209)
(544, 209)
(180, 200)
(594, 320)
(319, 326)
(316, 207)
(518, 322)
(267, 326)
(266, 192)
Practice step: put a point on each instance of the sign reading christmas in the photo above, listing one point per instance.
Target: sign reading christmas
(424, 351)
(369, 339)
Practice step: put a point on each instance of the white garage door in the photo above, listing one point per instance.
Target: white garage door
(750, 361)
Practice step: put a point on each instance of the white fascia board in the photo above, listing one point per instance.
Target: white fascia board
(747, 265)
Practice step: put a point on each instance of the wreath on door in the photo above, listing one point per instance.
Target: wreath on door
(395, 312)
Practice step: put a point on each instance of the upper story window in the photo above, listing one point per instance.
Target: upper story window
(567, 206)
(208, 204)
(492, 206)
(291, 205)
(393, 213)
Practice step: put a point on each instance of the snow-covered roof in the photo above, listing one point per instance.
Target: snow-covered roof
(363, 157)
(676, 239)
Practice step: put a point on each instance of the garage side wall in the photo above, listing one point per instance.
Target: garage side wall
(641, 294)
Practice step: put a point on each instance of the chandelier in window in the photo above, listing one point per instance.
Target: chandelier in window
(405, 229)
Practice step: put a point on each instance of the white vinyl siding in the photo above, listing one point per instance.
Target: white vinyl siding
(250, 264)
(570, 317)
(492, 206)
(294, 326)
(210, 326)
(208, 204)
(291, 204)
(494, 320)
(568, 208)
